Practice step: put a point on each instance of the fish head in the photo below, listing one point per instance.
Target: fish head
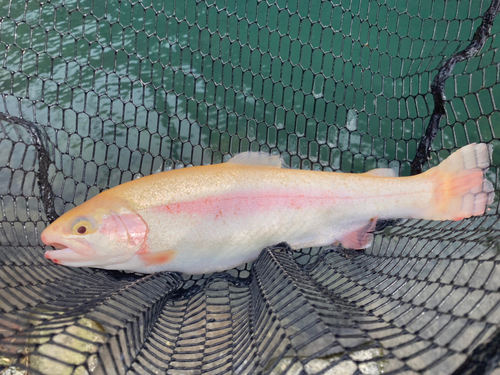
(100, 232)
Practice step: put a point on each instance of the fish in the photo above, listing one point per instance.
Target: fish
(212, 218)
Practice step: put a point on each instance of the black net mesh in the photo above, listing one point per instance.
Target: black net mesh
(96, 93)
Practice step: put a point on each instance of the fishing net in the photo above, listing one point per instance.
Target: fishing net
(97, 93)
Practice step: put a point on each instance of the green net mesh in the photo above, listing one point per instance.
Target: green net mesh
(97, 93)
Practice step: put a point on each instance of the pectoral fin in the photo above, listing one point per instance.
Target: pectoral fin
(360, 238)
(158, 258)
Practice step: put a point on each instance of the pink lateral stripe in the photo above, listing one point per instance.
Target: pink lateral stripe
(245, 202)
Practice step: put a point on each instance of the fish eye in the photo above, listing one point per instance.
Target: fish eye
(82, 227)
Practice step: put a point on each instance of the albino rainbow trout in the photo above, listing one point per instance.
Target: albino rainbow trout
(212, 218)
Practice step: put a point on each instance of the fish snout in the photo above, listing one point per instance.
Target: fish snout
(51, 235)
(50, 239)
(44, 237)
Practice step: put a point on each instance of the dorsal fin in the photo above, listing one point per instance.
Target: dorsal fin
(382, 172)
(262, 159)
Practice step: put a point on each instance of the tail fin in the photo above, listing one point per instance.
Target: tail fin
(461, 191)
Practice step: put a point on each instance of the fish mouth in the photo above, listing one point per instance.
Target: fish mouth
(68, 257)
(71, 254)
(49, 238)
(58, 246)
(79, 249)
(60, 256)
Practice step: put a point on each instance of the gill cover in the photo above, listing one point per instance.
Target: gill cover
(126, 228)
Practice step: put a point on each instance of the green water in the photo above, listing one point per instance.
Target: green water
(148, 86)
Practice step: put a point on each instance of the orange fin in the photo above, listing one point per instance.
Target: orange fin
(461, 191)
(360, 238)
(161, 257)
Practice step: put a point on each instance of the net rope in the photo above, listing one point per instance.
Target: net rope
(94, 94)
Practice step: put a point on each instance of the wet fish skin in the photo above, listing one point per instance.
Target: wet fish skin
(213, 218)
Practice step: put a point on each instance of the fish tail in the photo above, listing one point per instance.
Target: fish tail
(460, 189)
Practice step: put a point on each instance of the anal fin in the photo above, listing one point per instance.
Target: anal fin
(360, 238)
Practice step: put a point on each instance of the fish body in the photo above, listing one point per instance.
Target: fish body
(213, 218)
